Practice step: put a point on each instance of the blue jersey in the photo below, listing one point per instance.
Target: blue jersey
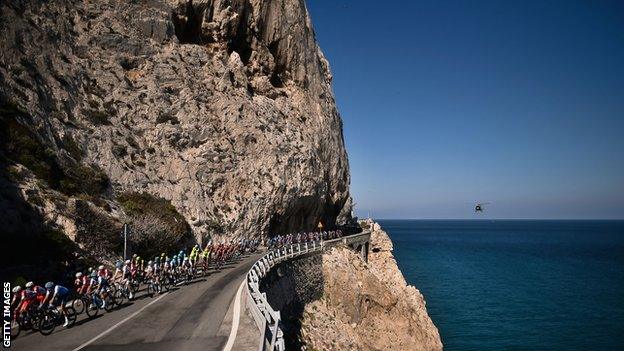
(61, 291)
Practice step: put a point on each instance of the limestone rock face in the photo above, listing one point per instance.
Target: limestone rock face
(223, 107)
(367, 306)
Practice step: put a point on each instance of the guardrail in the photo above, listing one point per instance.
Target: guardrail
(266, 318)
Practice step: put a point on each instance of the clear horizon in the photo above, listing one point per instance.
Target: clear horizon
(446, 104)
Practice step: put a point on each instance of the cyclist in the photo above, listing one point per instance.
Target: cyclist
(17, 295)
(149, 272)
(54, 294)
(18, 299)
(104, 272)
(156, 270)
(193, 255)
(118, 274)
(27, 298)
(39, 292)
(82, 283)
(127, 273)
(99, 285)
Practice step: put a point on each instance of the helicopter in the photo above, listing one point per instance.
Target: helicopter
(479, 207)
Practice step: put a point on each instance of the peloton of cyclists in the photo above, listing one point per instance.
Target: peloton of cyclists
(160, 267)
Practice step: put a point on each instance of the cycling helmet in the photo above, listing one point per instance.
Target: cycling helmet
(29, 285)
(157, 259)
(127, 261)
(101, 267)
(149, 263)
(118, 264)
(93, 274)
(49, 285)
(135, 255)
(79, 274)
(17, 289)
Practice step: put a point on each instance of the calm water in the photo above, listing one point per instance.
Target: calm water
(517, 285)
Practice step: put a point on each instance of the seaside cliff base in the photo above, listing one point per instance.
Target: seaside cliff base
(336, 301)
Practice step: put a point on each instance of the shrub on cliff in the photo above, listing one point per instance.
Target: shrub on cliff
(98, 233)
(155, 224)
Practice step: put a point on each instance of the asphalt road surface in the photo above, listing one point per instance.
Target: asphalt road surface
(186, 319)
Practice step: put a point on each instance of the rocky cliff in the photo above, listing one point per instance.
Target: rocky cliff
(336, 301)
(224, 108)
(367, 306)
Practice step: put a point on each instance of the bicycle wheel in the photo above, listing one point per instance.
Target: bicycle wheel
(109, 302)
(47, 323)
(33, 319)
(166, 283)
(78, 305)
(119, 297)
(91, 308)
(134, 286)
(70, 313)
(16, 328)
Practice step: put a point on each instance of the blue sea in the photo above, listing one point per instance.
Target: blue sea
(517, 285)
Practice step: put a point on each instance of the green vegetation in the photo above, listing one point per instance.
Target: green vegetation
(87, 180)
(96, 231)
(155, 224)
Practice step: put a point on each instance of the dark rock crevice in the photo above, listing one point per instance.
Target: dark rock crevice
(188, 26)
(241, 41)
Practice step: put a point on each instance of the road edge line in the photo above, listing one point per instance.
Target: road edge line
(235, 319)
(119, 323)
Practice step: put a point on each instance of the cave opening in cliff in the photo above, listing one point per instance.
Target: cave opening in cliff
(241, 41)
(276, 78)
(188, 26)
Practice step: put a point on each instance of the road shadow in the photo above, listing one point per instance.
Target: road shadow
(87, 319)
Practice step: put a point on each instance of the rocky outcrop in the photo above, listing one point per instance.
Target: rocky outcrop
(336, 301)
(367, 306)
(223, 107)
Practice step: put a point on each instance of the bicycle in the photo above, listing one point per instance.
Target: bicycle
(27, 320)
(153, 287)
(120, 293)
(53, 317)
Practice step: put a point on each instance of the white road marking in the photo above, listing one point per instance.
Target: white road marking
(119, 323)
(235, 320)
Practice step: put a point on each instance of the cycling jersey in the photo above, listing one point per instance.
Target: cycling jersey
(127, 271)
(102, 282)
(28, 297)
(104, 273)
(61, 291)
(40, 293)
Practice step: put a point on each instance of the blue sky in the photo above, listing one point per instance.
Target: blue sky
(446, 103)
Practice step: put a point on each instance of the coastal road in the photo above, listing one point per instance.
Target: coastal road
(185, 319)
